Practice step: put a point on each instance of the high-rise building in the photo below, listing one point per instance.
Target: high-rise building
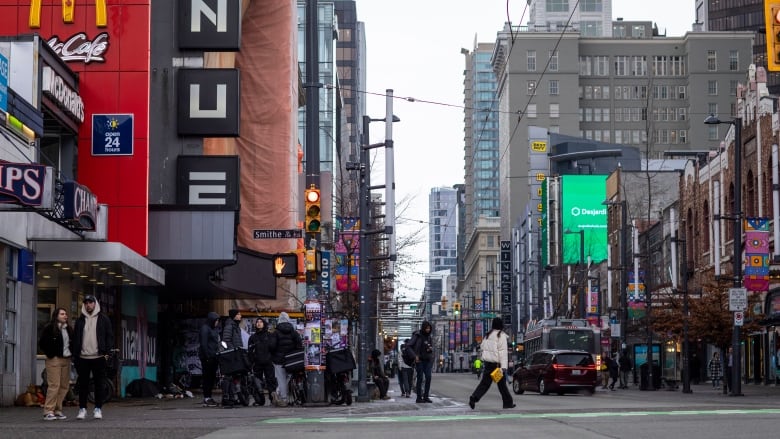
(442, 229)
(481, 135)
(592, 18)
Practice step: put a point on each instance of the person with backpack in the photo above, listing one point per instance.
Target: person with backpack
(421, 348)
(495, 354)
(261, 343)
(405, 372)
(286, 340)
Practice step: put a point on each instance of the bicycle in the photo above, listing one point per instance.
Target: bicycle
(296, 388)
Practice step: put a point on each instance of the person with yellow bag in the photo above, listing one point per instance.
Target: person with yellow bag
(495, 357)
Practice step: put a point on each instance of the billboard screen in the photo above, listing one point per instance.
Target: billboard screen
(583, 216)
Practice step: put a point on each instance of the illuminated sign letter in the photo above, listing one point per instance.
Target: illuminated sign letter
(68, 12)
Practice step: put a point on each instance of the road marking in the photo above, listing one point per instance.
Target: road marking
(428, 418)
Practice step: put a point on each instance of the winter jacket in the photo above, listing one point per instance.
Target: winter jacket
(287, 340)
(103, 330)
(52, 343)
(209, 337)
(261, 344)
(494, 348)
(420, 344)
(231, 334)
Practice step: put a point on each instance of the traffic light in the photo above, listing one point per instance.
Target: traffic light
(456, 307)
(772, 21)
(312, 222)
(285, 265)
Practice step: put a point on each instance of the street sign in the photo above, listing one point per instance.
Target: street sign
(739, 318)
(277, 234)
(737, 299)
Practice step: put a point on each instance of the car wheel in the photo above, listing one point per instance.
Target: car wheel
(542, 387)
(516, 387)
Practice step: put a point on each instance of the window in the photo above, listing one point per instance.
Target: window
(712, 132)
(712, 87)
(597, 115)
(621, 65)
(712, 108)
(605, 114)
(553, 61)
(712, 61)
(557, 5)
(554, 110)
(733, 87)
(8, 259)
(681, 92)
(734, 60)
(601, 65)
(588, 115)
(591, 5)
(638, 66)
(588, 92)
(659, 66)
(531, 56)
(531, 88)
(590, 29)
(553, 87)
(531, 111)
(586, 68)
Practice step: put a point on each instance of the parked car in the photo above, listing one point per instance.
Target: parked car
(557, 371)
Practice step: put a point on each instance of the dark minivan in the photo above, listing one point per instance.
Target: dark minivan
(557, 371)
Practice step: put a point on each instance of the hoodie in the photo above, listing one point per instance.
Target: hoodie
(209, 337)
(93, 335)
(420, 344)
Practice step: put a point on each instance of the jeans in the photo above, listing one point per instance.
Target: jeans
(281, 381)
(423, 372)
(405, 380)
(624, 378)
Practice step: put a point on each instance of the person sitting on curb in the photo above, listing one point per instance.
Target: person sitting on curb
(378, 372)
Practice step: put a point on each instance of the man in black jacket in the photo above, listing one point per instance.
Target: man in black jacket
(231, 337)
(422, 348)
(93, 341)
(209, 345)
(287, 340)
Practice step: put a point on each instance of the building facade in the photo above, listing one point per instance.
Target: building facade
(442, 229)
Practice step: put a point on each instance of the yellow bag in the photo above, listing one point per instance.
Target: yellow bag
(497, 375)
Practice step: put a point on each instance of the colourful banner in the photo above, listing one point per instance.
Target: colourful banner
(756, 272)
(347, 251)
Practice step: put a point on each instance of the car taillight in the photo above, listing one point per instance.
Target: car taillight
(591, 366)
(557, 366)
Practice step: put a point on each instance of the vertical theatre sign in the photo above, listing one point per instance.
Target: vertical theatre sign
(506, 283)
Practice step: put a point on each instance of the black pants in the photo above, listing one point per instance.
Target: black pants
(382, 383)
(265, 373)
(487, 381)
(405, 380)
(97, 368)
(209, 366)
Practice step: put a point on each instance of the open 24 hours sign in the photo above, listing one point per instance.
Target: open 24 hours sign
(112, 134)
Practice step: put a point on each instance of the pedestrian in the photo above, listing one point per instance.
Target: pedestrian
(378, 373)
(286, 340)
(604, 370)
(422, 349)
(728, 375)
(715, 369)
(405, 373)
(56, 344)
(478, 367)
(231, 339)
(261, 344)
(93, 341)
(624, 364)
(494, 355)
(614, 370)
(207, 351)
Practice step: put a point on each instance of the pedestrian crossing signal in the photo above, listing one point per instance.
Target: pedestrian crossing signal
(285, 265)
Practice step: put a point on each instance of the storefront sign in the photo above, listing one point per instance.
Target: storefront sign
(207, 181)
(209, 102)
(67, 98)
(22, 183)
(80, 48)
(80, 206)
(112, 134)
(3, 83)
(211, 25)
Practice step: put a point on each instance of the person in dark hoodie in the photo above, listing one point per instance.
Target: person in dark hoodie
(378, 372)
(93, 341)
(231, 339)
(422, 348)
(287, 340)
(209, 345)
(261, 344)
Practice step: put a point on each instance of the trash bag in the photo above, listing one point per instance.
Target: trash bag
(142, 388)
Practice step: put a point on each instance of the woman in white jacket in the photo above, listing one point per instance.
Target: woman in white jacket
(494, 355)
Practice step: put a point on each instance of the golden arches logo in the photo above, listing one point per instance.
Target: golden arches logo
(68, 6)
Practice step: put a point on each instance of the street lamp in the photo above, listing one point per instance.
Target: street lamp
(736, 216)
(580, 297)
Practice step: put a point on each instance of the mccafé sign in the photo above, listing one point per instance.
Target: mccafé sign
(78, 47)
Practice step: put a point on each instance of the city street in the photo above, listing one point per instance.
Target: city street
(706, 413)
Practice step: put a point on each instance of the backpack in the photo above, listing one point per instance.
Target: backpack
(407, 355)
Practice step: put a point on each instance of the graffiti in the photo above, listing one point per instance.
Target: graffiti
(137, 349)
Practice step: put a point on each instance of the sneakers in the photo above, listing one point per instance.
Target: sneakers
(49, 417)
(428, 400)
(385, 398)
(274, 397)
(60, 416)
(209, 402)
(82, 414)
(97, 414)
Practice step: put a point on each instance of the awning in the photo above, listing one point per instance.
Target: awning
(105, 263)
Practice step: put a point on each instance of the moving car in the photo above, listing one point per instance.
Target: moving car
(557, 371)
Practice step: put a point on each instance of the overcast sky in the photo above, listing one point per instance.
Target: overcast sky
(413, 48)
